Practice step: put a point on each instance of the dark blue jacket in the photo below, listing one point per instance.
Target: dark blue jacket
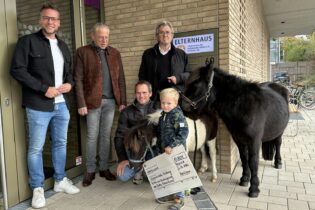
(172, 129)
(33, 67)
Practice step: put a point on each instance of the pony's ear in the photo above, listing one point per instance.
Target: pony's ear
(209, 66)
(209, 61)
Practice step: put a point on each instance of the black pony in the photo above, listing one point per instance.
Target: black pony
(253, 113)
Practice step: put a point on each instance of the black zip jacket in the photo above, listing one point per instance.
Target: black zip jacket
(33, 67)
(179, 68)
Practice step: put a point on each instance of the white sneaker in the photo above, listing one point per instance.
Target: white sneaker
(66, 186)
(38, 200)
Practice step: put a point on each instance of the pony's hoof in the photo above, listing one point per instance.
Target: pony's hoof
(253, 194)
(244, 183)
(278, 165)
(214, 179)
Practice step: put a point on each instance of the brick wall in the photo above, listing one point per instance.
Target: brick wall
(248, 40)
(132, 24)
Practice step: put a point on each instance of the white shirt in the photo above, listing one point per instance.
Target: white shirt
(164, 52)
(58, 67)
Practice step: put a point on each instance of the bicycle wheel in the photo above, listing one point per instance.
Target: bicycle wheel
(307, 100)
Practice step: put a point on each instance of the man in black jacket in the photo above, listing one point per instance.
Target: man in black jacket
(163, 65)
(129, 117)
(41, 63)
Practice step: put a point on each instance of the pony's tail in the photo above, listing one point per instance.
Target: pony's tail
(268, 149)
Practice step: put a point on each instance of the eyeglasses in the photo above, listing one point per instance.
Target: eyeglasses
(47, 18)
(166, 33)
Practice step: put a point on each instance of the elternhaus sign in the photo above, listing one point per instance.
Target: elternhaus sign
(196, 43)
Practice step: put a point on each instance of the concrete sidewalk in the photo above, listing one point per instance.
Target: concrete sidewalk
(292, 187)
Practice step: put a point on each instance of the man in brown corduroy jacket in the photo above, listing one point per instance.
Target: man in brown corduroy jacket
(100, 85)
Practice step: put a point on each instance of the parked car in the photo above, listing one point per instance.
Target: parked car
(282, 77)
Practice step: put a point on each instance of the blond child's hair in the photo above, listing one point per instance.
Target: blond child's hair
(170, 92)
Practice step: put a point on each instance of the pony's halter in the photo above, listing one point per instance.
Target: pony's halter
(206, 96)
(142, 159)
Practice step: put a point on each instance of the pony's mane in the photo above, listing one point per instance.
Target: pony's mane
(232, 78)
(202, 72)
(195, 75)
(153, 118)
(130, 140)
(227, 87)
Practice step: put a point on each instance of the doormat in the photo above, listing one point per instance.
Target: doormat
(296, 116)
(203, 201)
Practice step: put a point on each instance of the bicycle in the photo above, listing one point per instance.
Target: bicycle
(301, 97)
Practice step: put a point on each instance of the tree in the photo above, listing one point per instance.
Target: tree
(299, 49)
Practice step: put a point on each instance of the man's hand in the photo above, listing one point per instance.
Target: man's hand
(172, 79)
(121, 107)
(52, 92)
(121, 167)
(83, 111)
(64, 88)
(168, 150)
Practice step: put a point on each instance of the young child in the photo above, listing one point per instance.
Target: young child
(172, 131)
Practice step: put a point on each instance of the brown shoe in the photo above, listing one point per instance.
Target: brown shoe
(108, 175)
(88, 178)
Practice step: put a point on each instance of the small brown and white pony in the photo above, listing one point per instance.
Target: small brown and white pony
(140, 139)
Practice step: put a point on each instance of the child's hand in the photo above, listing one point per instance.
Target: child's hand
(168, 150)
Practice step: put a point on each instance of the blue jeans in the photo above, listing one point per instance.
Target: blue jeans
(99, 126)
(38, 122)
(130, 173)
(180, 194)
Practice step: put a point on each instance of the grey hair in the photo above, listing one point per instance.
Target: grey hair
(97, 26)
(163, 23)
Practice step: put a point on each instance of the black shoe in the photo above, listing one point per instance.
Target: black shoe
(88, 179)
(108, 175)
(166, 199)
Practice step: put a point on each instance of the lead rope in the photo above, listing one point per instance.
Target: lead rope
(196, 142)
(196, 189)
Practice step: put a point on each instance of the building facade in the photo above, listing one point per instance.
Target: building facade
(242, 41)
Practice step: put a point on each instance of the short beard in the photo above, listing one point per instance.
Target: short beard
(48, 33)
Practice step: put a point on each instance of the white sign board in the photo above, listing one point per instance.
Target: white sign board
(196, 43)
(172, 173)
